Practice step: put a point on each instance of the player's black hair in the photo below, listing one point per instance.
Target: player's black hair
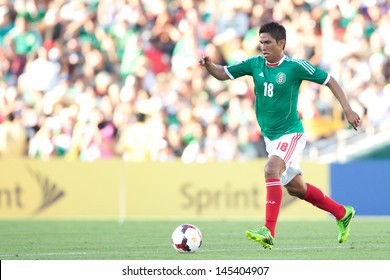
(276, 30)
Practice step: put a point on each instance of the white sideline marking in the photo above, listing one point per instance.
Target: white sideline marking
(350, 245)
(135, 253)
(21, 255)
(275, 248)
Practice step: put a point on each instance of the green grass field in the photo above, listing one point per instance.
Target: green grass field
(141, 240)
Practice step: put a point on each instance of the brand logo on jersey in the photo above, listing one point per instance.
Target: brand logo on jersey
(281, 78)
(270, 202)
(261, 74)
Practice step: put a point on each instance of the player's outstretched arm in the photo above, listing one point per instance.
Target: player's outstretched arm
(215, 70)
(352, 117)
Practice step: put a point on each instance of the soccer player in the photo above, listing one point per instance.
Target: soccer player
(277, 79)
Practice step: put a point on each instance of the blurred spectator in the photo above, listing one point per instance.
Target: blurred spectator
(376, 98)
(89, 79)
(13, 137)
(20, 41)
(135, 143)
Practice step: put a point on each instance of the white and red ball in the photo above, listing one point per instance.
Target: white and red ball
(186, 239)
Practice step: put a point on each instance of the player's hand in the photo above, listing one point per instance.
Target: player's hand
(204, 61)
(353, 119)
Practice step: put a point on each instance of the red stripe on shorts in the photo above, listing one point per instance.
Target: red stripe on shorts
(292, 147)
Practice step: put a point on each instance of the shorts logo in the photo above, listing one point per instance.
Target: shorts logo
(281, 78)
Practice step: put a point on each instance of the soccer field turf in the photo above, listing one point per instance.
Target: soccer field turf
(142, 240)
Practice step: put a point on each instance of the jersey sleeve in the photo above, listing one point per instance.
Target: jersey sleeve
(312, 73)
(240, 69)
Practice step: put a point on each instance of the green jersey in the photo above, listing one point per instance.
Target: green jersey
(276, 89)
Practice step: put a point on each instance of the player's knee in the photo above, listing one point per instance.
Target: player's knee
(292, 192)
(297, 192)
(271, 171)
(274, 167)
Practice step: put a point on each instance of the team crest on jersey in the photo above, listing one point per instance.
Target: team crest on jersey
(281, 78)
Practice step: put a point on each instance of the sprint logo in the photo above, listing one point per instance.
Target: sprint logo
(50, 192)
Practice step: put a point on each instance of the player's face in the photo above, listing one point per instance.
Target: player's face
(272, 51)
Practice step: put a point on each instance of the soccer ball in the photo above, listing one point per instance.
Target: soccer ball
(186, 239)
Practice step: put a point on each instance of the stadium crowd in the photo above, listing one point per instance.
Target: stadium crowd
(88, 79)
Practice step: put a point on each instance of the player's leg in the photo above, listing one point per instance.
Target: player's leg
(272, 171)
(274, 167)
(279, 151)
(343, 214)
(297, 187)
(278, 171)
